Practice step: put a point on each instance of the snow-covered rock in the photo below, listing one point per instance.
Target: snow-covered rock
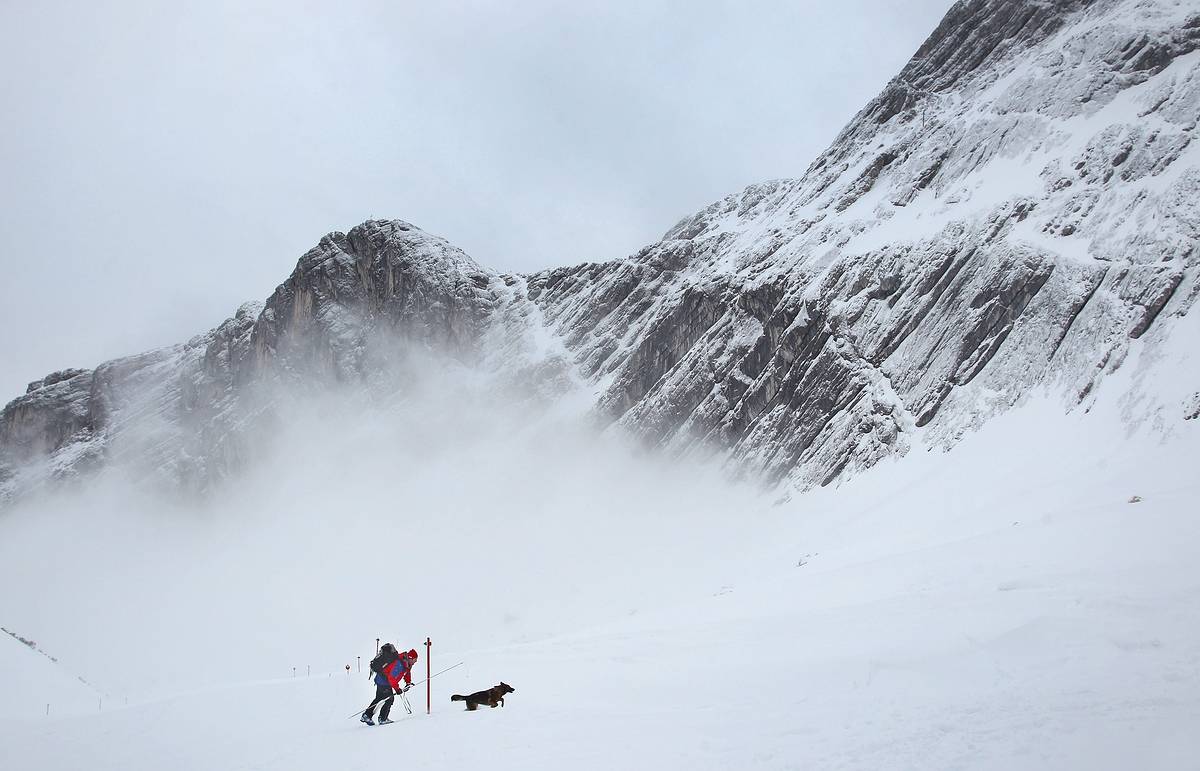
(1015, 209)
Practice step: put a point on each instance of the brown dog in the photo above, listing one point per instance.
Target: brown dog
(490, 697)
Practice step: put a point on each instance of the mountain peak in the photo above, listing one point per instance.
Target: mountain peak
(1009, 215)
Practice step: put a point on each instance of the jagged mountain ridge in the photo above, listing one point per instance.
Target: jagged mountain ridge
(1014, 209)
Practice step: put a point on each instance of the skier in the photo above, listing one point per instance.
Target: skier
(390, 667)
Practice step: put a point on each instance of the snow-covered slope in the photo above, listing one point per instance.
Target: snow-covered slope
(997, 256)
(1005, 605)
(1013, 210)
(35, 684)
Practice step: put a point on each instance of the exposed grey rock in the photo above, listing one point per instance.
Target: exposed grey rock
(1014, 210)
(54, 411)
(381, 277)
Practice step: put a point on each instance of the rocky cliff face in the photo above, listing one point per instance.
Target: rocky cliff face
(1013, 212)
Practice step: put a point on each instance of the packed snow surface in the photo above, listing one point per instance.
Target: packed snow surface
(31, 679)
(972, 320)
(1026, 600)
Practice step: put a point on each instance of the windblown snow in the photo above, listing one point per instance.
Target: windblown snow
(1004, 605)
(889, 466)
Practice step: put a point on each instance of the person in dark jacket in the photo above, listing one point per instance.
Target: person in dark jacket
(390, 668)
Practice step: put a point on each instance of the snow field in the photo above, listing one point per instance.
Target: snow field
(1003, 605)
(1000, 606)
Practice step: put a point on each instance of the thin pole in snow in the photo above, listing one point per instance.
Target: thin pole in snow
(47, 710)
(308, 670)
(359, 663)
(428, 669)
(293, 671)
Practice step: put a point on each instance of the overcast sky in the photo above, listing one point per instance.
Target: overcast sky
(162, 162)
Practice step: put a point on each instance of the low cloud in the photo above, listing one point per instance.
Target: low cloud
(441, 499)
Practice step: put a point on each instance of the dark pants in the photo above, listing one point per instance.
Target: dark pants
(383, 693)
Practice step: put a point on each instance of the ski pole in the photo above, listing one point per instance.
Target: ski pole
(399, 693)
(435, 674)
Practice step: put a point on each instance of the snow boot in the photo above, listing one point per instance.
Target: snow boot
(367, 719)
(385, 720)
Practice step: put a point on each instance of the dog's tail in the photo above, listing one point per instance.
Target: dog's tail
(456, 697)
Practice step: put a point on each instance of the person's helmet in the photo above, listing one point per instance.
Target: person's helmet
(412, 654)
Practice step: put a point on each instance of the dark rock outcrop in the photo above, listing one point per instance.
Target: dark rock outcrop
(993, 222)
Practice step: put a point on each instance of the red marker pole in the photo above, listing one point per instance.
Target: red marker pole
(428, 676)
